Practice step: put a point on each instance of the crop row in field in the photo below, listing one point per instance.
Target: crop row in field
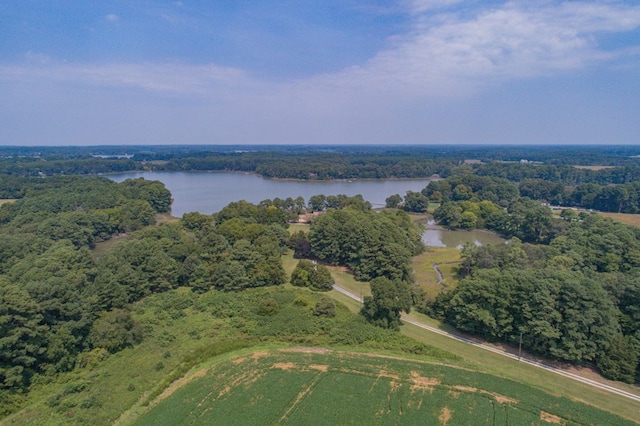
(329, 387)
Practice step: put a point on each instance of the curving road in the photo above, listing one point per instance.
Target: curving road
(550, 368)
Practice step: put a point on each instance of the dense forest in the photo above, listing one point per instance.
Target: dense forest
(567, 283)
(77, 252)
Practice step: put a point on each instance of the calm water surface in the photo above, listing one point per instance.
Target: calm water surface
(437, 236)
(209, 192)
(446, 238)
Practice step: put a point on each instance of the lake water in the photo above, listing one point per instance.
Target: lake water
(209, 192)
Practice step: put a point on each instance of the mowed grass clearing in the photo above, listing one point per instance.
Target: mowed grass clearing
(626, 218)
(324, 387)
(426, 277)
(594, 168)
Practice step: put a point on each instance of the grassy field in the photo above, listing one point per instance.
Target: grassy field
(427, 278)
(595, 168)
(344, 279)
(500, 366)
(626, 218)
(295, 227)
(317, 386)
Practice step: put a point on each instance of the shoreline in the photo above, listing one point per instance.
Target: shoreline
(429, 178)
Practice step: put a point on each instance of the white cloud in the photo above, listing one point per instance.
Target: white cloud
(445, 54)
(112, 17)
(452, 54)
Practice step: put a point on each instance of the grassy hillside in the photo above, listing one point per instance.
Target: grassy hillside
(182, 330)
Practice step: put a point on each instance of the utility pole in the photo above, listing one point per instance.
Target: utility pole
(520, 347)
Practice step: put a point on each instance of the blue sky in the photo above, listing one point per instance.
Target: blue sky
(268, 72)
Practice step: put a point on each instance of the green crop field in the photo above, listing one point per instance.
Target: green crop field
(316, 386)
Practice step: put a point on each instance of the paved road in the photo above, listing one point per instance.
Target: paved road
(550, 368)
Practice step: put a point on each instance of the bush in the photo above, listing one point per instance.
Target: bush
(114, 331)
(308, 274)
(325, 307)
(268, 307)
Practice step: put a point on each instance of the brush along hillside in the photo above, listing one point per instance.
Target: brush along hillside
(183, 329)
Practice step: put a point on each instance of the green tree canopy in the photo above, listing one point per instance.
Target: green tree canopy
(388, 299)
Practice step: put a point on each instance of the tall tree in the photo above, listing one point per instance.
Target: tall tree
(388, 299)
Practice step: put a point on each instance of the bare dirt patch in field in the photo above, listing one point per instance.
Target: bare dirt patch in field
(422, 383)
(445, 416)
(224, 391)
(247, 378)
(308, 350)
(286, 366)
(501, 398)
(388, 375)
(319, 367)
(394, 386)
(550, 418)
(257, 355)
(465, 388)
(180, 383)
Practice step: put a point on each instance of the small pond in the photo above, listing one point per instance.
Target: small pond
(436, 236)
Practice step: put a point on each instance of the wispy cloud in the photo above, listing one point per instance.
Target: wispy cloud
(167, 78)
(111, 17)
(447, 52)
(452, 53)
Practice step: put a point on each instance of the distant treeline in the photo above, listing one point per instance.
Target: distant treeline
(515, 163)
(620, 198)
(35, 166)
(613, 189)
(587, 155)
